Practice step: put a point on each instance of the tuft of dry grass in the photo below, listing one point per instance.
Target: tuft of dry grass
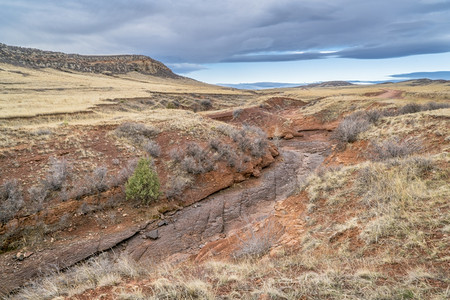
(95, 272)
(394, 147)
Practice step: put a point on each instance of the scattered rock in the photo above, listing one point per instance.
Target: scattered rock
(152, 234)
(256, 172)
(163, 223)
(289, 136)
(22, 255)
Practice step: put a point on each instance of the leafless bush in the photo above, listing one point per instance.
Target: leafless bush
(86, 208)
(57, 174)
(393, 148)
(249, 138)
(435, 105)
(194, 150)
(124, 173)
(37, 194)
(373, 115)
(232, 159)
(240, 165)
(237, 112)
(409, 109)
(414, 107)
(11, 200)
(253, 139)
(136, 131)
(206, 104)
(94, 183)
(198, 160)
(42, 131)
(216, 145)
(152, 148)
(242, 138)
(227, 130)
(256, 243)
(256, 130)
(176, 154)
(176, 187)
(193, 166)
(259, 147)
(100, 180)
(349, 128)
(225, 152)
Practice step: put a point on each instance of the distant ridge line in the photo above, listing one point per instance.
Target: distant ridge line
(106, 64)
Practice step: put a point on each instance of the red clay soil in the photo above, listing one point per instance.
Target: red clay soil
(354, 153)
(86, 147)
(390, 94)
(273, 116)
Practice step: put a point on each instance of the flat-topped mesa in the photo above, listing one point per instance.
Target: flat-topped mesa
(107, 64)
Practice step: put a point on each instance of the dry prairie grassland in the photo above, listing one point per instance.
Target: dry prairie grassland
(376, 229)
(26, 92)
(371, 223)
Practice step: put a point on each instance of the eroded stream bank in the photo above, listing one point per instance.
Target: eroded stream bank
(186, 231)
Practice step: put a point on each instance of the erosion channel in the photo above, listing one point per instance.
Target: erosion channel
(218, 215)
(183, 233)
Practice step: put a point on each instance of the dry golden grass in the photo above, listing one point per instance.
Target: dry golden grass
(329, 103)
(396, 210)
(430, 126)
(30, 92)
(95, 272)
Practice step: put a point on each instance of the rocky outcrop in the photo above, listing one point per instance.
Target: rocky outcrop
(111, 64)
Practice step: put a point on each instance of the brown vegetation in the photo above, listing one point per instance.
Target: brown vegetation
(370, 223)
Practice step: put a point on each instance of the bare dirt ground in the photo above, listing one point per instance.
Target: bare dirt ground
(390, 94)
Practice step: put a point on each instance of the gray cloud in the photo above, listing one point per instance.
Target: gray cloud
(185, 68)
(197, 32)
(277, 57)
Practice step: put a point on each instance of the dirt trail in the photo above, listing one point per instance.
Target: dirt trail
(391, 94)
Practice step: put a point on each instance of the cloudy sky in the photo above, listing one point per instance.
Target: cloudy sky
(232, 41)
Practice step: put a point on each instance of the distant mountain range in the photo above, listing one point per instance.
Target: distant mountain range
(440, 75)
(259, 85)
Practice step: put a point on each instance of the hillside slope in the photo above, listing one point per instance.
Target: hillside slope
(107, 64)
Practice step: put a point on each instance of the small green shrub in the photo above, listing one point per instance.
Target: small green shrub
(171, 105)
(143, 185)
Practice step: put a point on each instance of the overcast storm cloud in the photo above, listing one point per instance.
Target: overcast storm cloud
(188, 33)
